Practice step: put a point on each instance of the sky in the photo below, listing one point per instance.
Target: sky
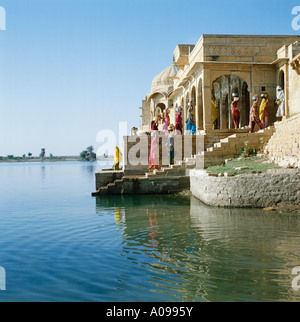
(72, 68)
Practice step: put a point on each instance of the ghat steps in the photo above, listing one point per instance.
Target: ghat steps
(233, 146)
(284, 146)
(175, 178)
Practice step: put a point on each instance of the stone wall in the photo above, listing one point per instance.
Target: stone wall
(276, 187)
(294, 93)
(103, 178)
(284, 146)
(137, 150)
(294, 79)
(244, 48)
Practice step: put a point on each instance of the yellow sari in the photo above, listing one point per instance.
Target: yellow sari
(117, 159)
(262, 108)
(117, 155)
(213, 111)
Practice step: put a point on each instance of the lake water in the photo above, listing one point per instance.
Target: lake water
(57, 243)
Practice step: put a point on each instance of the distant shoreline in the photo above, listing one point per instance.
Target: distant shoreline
(54, 159)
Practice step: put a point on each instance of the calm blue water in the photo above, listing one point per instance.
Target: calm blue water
(57, 243)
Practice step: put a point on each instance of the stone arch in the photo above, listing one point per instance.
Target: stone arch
(159, 110)
(182, 105)
(222, 89)
(281, 79)
(160, 107)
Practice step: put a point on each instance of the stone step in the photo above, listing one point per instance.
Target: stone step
(224, 140)
(175, 166)
(218, 145)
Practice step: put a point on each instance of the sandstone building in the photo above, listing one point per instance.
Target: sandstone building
(220, 65)
(216, 67)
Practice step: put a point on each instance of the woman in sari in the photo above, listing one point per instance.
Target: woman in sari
(118, 153)
(254, 118)
(235, 112)
(166, 122)
(263, 110)
(214, 116)
(280, 102)
(190, 123)
(178, 124)
(154, 150)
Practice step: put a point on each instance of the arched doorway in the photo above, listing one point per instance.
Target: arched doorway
(222, 89)
(159, 114)
(160, 108)
(281, 80)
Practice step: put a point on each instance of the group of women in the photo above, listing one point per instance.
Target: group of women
(170, 130)
(190, 122)
(258, 113)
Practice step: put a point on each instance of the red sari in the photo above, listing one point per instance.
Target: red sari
(235, 114)
(179, 125)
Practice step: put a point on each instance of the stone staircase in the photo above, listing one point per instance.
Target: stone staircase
(233, 146)
(175, 178)
(146, 185)
(284, 146)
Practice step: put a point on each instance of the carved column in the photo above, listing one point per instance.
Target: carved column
(208, 126)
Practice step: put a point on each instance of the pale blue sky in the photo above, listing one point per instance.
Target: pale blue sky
(71, 68)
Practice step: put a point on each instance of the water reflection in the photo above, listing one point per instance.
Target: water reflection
(89, 168)
(43, 171)
(192, 252)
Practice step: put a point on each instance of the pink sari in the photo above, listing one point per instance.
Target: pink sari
(166, 125)
(154, 151)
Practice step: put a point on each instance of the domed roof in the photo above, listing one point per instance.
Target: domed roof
(163, 79)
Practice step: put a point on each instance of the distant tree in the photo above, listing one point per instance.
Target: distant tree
(43, 153)
(90, 150)
(91, 155)
(29, 154)
(88, 154)
(83, 155)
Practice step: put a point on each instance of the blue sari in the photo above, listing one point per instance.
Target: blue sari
(190, 124)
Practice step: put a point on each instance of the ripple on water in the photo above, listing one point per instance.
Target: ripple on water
(59, 244)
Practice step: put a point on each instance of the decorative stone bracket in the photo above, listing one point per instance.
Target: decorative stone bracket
(296, 64)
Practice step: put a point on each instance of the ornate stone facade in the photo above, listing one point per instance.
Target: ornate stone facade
(217, 66)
